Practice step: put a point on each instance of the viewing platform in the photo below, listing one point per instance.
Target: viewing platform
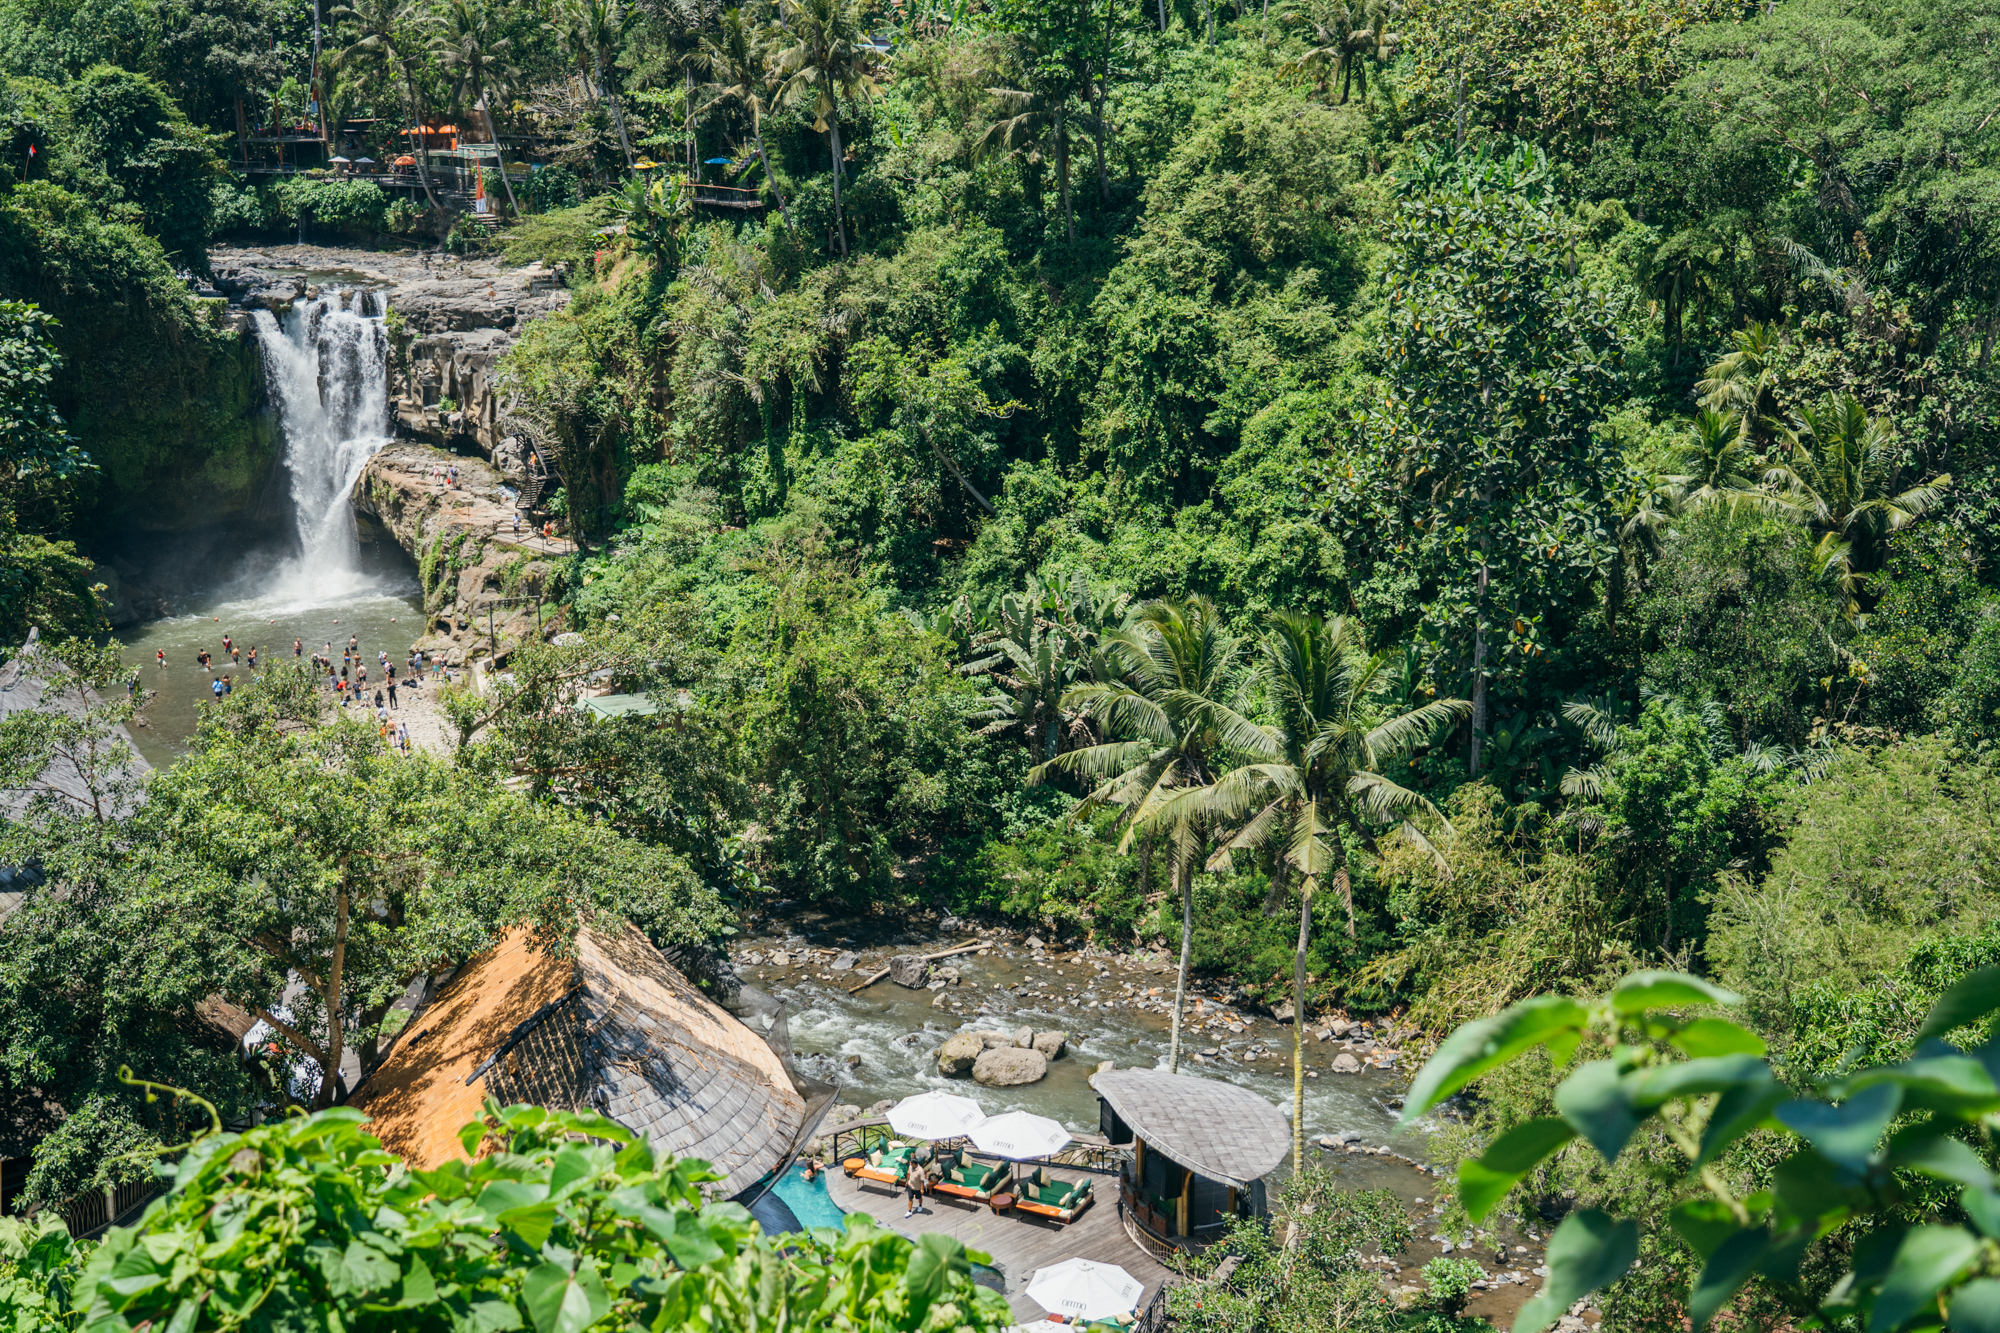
(1019, 1243)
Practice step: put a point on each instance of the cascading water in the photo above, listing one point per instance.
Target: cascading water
(327, 366)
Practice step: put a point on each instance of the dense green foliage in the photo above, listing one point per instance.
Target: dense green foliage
(1522, 469)
(307, 1224)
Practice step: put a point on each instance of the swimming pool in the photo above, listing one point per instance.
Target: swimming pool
(808, 1199)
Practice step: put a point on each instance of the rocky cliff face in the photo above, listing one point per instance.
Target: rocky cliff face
(470, 555)
(450, 320)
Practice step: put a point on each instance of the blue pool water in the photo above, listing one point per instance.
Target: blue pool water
(808, 1200)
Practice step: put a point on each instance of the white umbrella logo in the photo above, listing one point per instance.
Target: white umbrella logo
(1020, 1135)
(935, 1115)
(1084, 1290)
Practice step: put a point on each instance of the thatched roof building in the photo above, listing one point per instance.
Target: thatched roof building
(614, 1029)
(1201, 1149)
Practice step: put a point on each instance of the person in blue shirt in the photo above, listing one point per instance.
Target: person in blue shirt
(216, 685)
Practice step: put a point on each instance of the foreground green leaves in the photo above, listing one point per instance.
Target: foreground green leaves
(1851, 1137)
(567, 1222)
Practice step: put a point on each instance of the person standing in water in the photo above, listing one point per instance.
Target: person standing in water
(253, 658)
(162, 655)
(225, 643)
(298, 648)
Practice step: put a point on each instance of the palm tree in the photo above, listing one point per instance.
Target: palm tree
(1037, 125)
(596, 27)
(470, 45)
(383, 33)
(1716, 464)
(738, 62)
(1839, 473)
(1341, 35)
(1744, 380)
(1317, 774)
(830, 57)
(1175, 716)
(1042, 641)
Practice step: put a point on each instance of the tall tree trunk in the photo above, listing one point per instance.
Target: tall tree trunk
(775, 191)
(1345, 886)
(330, 1079)
(1163, 15)
(617, 116)
(242, 132)
(1299, 1025)
(1062, 172)
(1103, 180)
(499, 154)
(1478, 671)
(839, 222)
(418, 139)
(1180, 875)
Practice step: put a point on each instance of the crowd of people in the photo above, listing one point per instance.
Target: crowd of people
(347, 682)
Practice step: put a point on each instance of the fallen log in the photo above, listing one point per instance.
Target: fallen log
(928, 958)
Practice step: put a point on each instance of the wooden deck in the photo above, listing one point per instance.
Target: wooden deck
(1019, 1243)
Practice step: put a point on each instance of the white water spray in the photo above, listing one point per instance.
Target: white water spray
(327, 365)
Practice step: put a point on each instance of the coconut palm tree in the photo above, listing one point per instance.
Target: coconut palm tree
(1043, 640)
(1037, 125)
(1341, 37)
(1175, 722)
(385, 37)
(829, 58)
(468, 43)
(738, 61)
(1715, 464)
(1316, 776)
(595, 29)
(1839, 473)
(1744, 380)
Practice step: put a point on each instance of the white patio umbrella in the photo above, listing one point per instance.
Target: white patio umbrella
(934, 1115)
(1083, 1290)
(1020, 1135)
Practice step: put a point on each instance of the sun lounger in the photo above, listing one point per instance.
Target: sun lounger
(1039, 1193)
(884, 1165)
(961, 1176)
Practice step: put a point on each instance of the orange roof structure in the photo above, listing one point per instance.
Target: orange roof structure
(614, 1029)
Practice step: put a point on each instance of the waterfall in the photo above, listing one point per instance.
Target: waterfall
(327, 366)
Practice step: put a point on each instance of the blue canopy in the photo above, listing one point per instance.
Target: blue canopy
(719, 161)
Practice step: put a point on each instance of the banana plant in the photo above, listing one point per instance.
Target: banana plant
(1663, 1057)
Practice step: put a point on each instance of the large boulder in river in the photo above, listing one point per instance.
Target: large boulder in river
(996, 1040)
(1051, 1044)
(909, 969)
(961, 1050)
(1009, 1067)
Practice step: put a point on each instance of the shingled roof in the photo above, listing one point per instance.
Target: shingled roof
(1215, 1129)
(615, 1029)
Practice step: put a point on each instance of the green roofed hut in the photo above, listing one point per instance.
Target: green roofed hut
(1200, 1151)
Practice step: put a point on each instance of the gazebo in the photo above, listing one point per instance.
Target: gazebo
(1200, 1150)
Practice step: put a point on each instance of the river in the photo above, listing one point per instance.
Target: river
(316, 583)
(882, 1043)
